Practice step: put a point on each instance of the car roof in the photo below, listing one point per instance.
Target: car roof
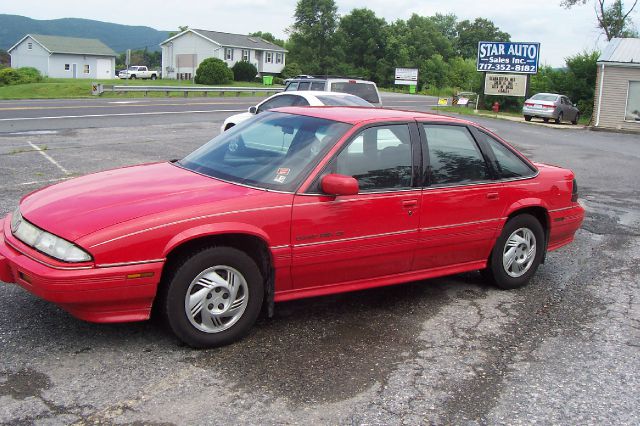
(317, 93)
(354, 115)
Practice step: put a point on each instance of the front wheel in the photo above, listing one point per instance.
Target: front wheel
(133, 77)
(559, 119)
(517, 253)
(213, 297)
(153, 77)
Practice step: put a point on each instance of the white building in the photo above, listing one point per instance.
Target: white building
(64, 57)
(183, 53)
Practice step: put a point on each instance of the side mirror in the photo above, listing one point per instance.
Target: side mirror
(575, 105)
(335, 184)
(253, 110)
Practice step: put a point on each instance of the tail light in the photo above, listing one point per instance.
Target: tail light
(574, 191)
(529, 104)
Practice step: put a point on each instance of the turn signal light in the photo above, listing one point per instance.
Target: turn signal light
(140, 275)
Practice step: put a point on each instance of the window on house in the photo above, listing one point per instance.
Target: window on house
(67, 67)
(228, 54)
(29, 45)
(269, 57)
(245, 55)
(278, 58)
(86, 69)
(633, 102)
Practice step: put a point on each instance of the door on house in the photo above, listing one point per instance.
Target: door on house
(103, 68)
(75, 70)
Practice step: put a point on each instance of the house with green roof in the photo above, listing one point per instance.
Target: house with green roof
(64, 57)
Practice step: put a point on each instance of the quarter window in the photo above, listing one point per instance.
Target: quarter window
(454, 157)
(506, 163)
(283, 101)
(379, 158)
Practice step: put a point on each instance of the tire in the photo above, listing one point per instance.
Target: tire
(527, 118)
(200, 284)
(153, 77)
(526, 232)
(133, 77)
(575, 120)
(545, 119)
(559, 119)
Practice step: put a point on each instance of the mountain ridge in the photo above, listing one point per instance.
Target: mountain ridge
(119, 37)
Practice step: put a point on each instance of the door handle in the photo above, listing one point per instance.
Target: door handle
(493, 196)
(410, 204)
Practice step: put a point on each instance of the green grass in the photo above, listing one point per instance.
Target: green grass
(490, 114)
(59, 88)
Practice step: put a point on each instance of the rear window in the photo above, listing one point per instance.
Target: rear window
(366, 91)
(343, 101)
(543, 97)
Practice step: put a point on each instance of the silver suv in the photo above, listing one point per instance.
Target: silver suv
(364, 89)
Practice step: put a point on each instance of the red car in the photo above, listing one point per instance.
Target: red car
(296, 202)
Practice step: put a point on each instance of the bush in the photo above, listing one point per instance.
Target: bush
(11, 76)
(213, 71)
(244, 71)
(278, 80)
(291, 70)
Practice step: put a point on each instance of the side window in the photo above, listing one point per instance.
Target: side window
(304, 85)
(317, 85)
(282, 101)
(507, 163)
(454, 157)
(379, 158)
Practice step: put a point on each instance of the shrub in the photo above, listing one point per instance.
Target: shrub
(291, 70)
(244, 71)
(29, 75)
(213, 71)
(10, 76)
(278, 80)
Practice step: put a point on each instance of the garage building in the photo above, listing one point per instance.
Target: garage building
(617, 95)
(64, 57)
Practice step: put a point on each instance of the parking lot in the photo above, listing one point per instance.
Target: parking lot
(564, 350)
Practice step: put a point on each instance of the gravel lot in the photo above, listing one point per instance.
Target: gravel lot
(564, 350)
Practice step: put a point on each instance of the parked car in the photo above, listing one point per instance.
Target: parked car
(138, 71)
(297, 202)
(303, 98)
(367, 90)
(551, 106)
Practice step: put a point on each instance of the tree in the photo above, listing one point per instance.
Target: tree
(470, 33)
(435, 72)
(612, 18)
(268, 37)
(181, 28)
(446, 24)
(362, 38)
(213, 71)
(244, 71)
(312, 40)
(5, 58)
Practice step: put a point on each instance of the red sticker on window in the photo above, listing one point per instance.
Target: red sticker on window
(283, 171)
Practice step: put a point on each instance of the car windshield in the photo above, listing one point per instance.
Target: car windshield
(544, 97)
(366, 91)
(343, 101)
(272, 150)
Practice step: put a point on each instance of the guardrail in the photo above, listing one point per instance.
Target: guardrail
(98, 89)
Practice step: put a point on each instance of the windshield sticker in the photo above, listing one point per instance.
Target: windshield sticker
(283, 171)
(280, 178)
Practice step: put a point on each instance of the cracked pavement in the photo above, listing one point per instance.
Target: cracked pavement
(563, 350)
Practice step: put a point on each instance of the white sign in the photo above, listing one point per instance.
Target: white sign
(505, 84)
(407, 76)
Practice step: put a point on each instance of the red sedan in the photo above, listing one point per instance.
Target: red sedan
(297, 202)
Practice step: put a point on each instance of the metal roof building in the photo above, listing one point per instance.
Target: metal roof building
(617, 95)
(64, 57)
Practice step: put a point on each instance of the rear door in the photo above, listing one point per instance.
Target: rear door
(346, 239)
(462, 204)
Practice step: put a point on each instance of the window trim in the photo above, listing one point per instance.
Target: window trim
(228, 53)
(626, 103)
(416, 160)
(248, 52)
(268, 57)
(86, 69)
(67, 67)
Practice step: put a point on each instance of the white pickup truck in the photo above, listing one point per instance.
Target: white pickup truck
(137, 71)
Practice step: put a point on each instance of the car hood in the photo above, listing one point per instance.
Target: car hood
(80, 206)
(238, 118)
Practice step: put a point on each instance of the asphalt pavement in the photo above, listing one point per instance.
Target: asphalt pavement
(563, 350)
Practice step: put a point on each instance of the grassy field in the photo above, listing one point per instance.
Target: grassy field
(58, 88)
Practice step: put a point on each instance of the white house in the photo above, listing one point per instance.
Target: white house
(64, 57)
(183, 53)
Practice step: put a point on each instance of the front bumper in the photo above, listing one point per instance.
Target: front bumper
(540, 112)
(113, 294)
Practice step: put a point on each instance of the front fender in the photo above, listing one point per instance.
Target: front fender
(214, 229)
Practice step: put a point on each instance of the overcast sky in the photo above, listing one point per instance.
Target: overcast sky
(561, 32)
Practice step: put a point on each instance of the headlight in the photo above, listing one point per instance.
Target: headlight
(45, 242)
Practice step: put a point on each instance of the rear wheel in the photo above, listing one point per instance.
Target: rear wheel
(153, 77)
(545, 119)
(517, 253)
(213, 297)
(559, 119)
(527, 118)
